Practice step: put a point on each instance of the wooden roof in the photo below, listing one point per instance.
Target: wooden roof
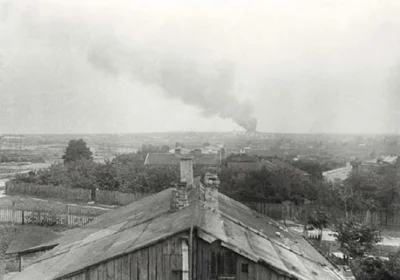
(32, 237)
(150, 220)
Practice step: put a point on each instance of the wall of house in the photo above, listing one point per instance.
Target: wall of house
(164, 261)
(213, 262)
(161, 261)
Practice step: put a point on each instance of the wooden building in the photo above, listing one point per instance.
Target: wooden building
(30, 243)
(187, 232)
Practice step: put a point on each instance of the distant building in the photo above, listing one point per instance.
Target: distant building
(173, 158)
(274, 164)
(372, 164)
(242, 163)
(338, 175)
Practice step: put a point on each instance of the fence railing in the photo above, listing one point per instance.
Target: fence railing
(72, 194)
(45, 191)
(45, 218)
(389, 217)
(117, 198)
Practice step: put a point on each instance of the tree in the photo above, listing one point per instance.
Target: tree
(356, 239)
(319, 219)
(77, 150)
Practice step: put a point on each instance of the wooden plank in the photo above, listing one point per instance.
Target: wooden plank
(206, 257)
(193, 256)
(134, 268)
(159, 261)
(102, 274)
(153, 263)
(143, 264)
(199, 260)
(118, 268)
(173, 259)
(125, 267)
(111, 270)
(93, 273)
(166, 267)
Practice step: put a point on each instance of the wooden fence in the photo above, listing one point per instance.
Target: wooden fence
(389, 218)
(69, 194)
(117, 198)
(44, 218)
(45, 191)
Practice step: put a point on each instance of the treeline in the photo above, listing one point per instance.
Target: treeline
(119, 174)
(127, 173)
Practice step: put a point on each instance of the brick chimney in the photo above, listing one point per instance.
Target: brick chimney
(186, 170)
(179, 199)
(209, 191)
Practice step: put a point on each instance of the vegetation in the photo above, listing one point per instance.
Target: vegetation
(77, 150)
(357, 241)
(264, 185)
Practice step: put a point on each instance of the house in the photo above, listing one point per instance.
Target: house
(173, 158)
(190, 231)
(242, 163)
(273, 164)
(30, 244)
(338, 175)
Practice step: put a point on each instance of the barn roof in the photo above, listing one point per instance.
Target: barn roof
(150, 220)
(32, 237)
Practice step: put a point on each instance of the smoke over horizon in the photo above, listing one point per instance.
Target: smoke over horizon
(124, 66)
(207, 86)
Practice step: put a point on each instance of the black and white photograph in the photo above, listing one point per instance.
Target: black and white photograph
(199, 140)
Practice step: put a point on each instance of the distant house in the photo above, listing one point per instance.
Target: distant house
(338, 175)
(31, 243)
(274, 164)
(190, 231)
(372, 164)
(173, 158)
(242, 163)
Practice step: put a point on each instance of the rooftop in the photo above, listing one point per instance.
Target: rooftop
(150, 220)
(173, 159)
(31, 238)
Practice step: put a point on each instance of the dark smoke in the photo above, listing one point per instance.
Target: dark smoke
(209, 88)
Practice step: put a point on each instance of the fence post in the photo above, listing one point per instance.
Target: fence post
(67, 215)
(13, 213)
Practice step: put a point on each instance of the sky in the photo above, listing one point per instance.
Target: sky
(119, 66)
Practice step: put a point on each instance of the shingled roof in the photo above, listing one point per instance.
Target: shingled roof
(150, 220)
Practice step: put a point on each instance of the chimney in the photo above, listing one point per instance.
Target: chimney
(179, 199)
(186, 170)
(209, 191)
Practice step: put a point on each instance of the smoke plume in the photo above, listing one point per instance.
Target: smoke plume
(205, 86)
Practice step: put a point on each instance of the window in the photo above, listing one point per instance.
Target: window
(245, 268)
